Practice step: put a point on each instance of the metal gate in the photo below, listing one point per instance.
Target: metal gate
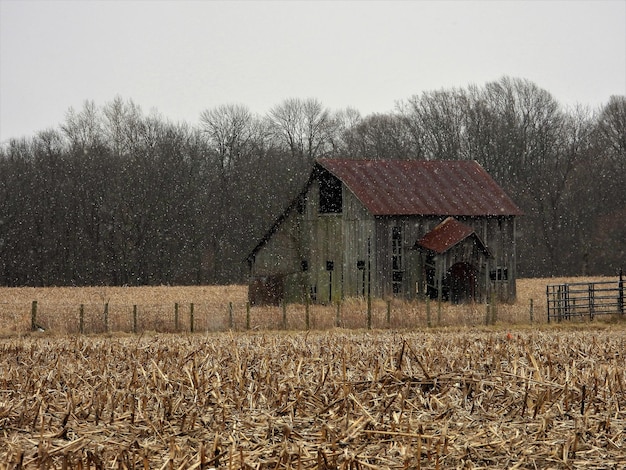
(585, 299)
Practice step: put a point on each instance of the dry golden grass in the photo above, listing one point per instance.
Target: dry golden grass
(446, 398)
(58, 307)
(220, 308)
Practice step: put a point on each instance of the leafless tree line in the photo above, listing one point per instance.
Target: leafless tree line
(115, 196)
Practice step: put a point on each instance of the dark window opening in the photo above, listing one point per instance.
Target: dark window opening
(330, 195)
(330, 266)
(301, 204)
(304, 264)
(499, 274)
(396, 263)
(360, 265)
(397, 282)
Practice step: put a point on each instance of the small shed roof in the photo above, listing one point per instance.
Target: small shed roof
(417, 187)
(447, 234)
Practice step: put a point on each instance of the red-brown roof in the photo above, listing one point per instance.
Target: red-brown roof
(400, 187)
(447, 234)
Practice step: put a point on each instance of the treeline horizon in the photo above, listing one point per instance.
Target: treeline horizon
(114, 196)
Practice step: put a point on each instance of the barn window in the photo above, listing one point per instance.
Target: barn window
(499, 274)
(330, 195)
(301, 204)
(360, 265)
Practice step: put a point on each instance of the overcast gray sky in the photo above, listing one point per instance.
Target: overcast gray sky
(182, 57)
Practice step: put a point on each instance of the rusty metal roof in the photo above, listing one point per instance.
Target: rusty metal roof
(401, 187)
(447, 234)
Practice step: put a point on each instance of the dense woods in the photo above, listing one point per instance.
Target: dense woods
(116, 196)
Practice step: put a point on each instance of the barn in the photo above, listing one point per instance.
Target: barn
(389, 228)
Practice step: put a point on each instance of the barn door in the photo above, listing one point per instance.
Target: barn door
(462, 282)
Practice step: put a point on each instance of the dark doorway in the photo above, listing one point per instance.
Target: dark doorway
(461, 281)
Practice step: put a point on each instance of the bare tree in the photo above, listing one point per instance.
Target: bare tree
(341, 139)
(378, 136)
(611, 132)
(435, 122)
(121, 125)
(83, 128)
(305, 127)
(231, 131)
(606, 174)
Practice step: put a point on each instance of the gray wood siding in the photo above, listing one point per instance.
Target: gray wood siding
(358, 228)
(498, 234)
(322, 242)
(343, 240)
(280, 254)
(412, 229)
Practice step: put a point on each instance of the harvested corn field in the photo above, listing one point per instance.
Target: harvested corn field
(491, 398)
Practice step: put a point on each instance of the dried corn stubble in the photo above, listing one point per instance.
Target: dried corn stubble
(545, 399)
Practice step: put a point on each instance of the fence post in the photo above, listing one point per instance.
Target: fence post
(620, 286)
(284, 306)
(135, 319)
(106, 317)
(81, 319)
(532, 313)
(592, 295)
(176, 317)
(429, 322)
(33, 316)
(388, 313)
(439, 311)
(191, 318)
(247, 315)
(566, 302)
(494, 309)
(557, 304)
(231, 320)
(307, 314)
(369, 284)
(548, 301)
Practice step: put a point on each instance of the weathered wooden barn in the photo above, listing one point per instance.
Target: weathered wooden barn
(389, 228)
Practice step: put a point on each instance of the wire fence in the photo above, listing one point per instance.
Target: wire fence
(99, 318)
